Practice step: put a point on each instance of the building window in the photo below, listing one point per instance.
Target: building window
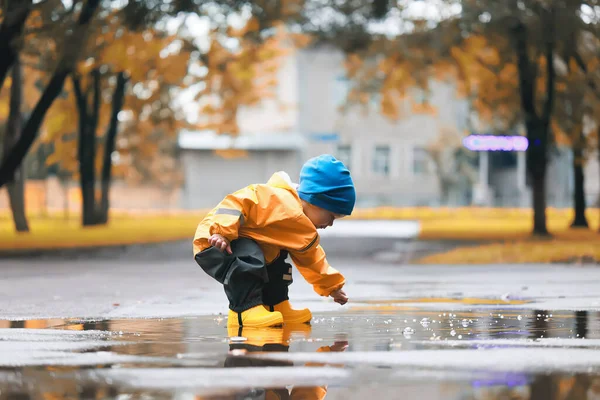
(420, 161)
(381, 161)
(344, 154)
(341, 87)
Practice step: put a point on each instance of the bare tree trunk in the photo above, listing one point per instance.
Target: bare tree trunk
(117, 104)
(88, 123)
(579, 221)
(16, 187)
(16, 14)
(30, 131)
(539, 201)
(538, 126)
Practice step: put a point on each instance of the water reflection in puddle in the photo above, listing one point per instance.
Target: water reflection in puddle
(200, 358)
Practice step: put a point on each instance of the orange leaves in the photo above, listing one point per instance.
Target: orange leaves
(64, 154)
(560, 136)
(160, 57)
(389, 106)
(4, 108)
(61, 118)
(231, 153)
(239, 77)
(423, 108)
(353, 63)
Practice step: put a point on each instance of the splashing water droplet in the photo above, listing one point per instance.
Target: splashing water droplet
(425, 322)
(519, 317)
(452, 332)
(465, 323)
(460, 336)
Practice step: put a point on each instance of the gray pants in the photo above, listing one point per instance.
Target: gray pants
(248, 281)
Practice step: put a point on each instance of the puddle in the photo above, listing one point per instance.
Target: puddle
(379, 351)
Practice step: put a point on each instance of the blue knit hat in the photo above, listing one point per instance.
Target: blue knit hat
(325, 182)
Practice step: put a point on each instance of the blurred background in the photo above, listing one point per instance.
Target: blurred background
(473, 119)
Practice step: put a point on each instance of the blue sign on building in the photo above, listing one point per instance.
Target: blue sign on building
(324, 136)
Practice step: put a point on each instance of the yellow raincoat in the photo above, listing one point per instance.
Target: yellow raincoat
(271, 214)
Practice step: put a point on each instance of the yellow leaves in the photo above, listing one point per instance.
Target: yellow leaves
(64, 155)
(475, 43)
(423, 108)
(252, 25)
(489, 56)
(240, 78)
(4, 108)
(301, 40)
(561, 137)
(352, 64)
(231, 153)
(389, 106)
(173, 69)
(61, 118)
(509, 73)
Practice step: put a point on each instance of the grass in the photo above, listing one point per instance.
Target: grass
(512, 241)
(54, 231)
(575, 245)
(497, 225)
(508, 229)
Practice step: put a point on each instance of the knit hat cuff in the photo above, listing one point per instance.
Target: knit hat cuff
(334, 205)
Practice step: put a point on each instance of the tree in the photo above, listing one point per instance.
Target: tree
(484, 45)
(568, 126)
(452, 161)
(587, 58)
(240, 77)
(73, 42)
(93, 213)
(157, 63)
(16, 188)
(14, 16)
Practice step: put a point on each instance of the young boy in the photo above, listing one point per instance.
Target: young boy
(244, 241)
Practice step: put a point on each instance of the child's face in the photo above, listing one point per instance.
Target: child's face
(320, 217)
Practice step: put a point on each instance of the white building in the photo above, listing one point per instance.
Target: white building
(388, 160)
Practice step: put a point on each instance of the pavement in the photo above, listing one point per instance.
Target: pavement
(146, 321)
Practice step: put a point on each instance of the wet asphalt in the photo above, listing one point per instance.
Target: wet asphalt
(141, 323)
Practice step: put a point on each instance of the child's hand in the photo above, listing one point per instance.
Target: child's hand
(339, 296)
(220, 243)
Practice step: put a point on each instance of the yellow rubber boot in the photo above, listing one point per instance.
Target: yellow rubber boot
(297, 330)
(309, 393)
(256, 317)
(292, 316)
(255, 336)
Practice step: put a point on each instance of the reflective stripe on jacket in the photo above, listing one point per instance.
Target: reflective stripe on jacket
(271, 214)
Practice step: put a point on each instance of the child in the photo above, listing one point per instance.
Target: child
(244, 241)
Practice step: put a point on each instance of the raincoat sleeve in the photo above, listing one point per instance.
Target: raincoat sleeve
(225, 219)
(312, 264)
